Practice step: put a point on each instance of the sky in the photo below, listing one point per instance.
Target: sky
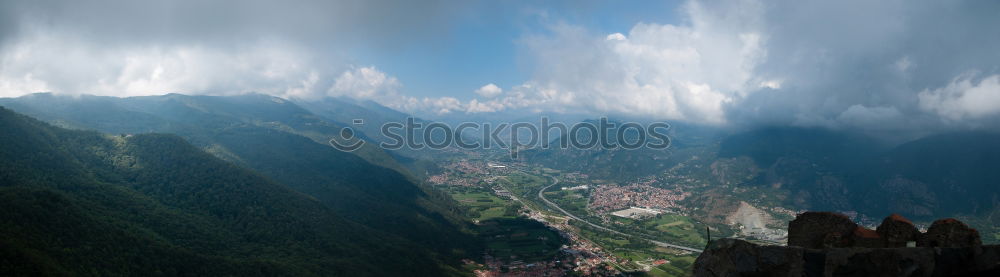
(874, 66)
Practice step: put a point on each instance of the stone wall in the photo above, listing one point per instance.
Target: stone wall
(732, 257)
(819, 230)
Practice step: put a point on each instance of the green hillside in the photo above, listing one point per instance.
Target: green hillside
(285, 143)
(84, 203)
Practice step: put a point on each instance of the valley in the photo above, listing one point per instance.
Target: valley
(663, 240)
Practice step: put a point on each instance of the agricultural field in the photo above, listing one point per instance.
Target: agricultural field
(641, 254)
(573, 201)
(481, 204)
(677, 228)
(520, 239)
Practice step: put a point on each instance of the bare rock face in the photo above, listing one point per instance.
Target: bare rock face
(896, 231)
(949, 232)
(821, 230)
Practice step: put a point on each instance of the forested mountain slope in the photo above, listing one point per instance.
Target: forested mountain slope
(281, 141)
(85, 203)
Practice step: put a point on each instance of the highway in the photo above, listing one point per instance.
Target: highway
(555, 181)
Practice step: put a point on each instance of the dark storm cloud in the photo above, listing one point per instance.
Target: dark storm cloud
(870, 58)
(895, 68)
(230, 21)
(287, 48)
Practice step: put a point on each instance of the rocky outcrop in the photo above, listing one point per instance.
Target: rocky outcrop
(820, 230)
(897, 231)
(731, 257)
(949, 232)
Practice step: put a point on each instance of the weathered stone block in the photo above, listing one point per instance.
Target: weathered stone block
(949, 232)
(820, 230)
(896, 231)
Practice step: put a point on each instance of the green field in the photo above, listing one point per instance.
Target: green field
(481, 204)
(520, 239)
(640, 251)
(678, 266)
(573, 201)
(675, 228)
(506, 235)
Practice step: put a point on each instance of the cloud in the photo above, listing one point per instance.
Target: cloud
(615, 36)
(119, 47)
(369, 83)
(365, 83)
(683, 72)
(839, 64)
(860, 116)
(963, 98)
(865, 65)
(844, 64)
(489, 91)
(69, 65)
(232, 22)
(125, 48)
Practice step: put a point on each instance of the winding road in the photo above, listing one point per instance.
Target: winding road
(541, 195)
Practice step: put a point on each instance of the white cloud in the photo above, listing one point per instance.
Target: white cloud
(64, 64)
(771, 84)
(489, 91)
(845, 64)
(962, 98)
(682, 72)
(365, 83)
(615, 36)
(440, 105)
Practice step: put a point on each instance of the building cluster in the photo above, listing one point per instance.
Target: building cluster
(636, 213)
(607, 198)
(580, 187)
(467, 167)
(496, 268)
(502, 192)
(448, 178)
(466, 173)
